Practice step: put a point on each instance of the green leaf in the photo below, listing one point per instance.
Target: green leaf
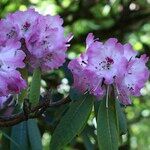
(5, 140)
(72, 122)
(20, 136)
(96, 107)
(74, 94)
(86, 140)
(34, 94)
(34, 135)
(121, 119)
(107, 130)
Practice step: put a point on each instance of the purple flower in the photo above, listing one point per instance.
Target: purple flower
(47, 43)
(109, 63)
(6, 105)
(11, 58)
(105, 59)
(24, 21)
(84, 78)
(3, 99)
(42, 37)
(8, 32)
(33, 38)
(134, 79)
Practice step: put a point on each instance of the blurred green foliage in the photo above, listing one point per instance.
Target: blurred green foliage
(127, 20)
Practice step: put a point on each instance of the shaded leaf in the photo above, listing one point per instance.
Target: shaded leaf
(72, 122)
(121, 118)
(86, 140)
(107, 130)
(19, 137)
(34, 135)
(74, 94)
(96, 107)
(6, 133)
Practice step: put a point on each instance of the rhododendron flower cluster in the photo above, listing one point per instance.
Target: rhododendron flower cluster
(41, 37)
(109, 63)
(28, 38)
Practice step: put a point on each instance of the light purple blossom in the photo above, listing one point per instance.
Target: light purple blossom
(85, 80)
(109, 64)
(6, 101)
(42, 38)
(3, 99)
(47, 43)
(37, 40)
(24, 21)
(105, 59)
(11, 58)
(8, 32)
(135, 76)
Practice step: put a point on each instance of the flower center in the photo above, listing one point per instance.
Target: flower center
(105, 64)
(48, 57)
(26, 26)
(12, 33)
(45, 44)
(109, 60)
(130, 87)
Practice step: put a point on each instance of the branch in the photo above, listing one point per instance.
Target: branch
(30, 113)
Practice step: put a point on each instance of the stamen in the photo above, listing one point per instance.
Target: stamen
(107, 96)
(105, 64)
(11, 34)
(117, 93)
(86, 91)
(26, 26)
(96, 86)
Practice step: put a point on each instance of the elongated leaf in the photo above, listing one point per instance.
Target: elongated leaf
(5, 140)
(75, 94)
(20, 136)
(34, 135)
(71, 123)
(107, 130)
(34, 94)
(121, 119)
